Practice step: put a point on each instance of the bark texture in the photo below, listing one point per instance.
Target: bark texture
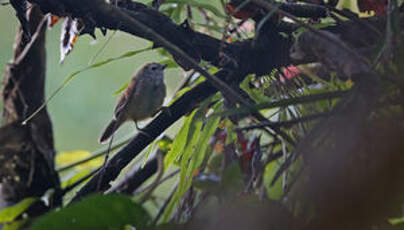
(26, 151)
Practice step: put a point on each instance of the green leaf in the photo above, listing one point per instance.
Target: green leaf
(396, 221)
(176, 13)
(256, 94)
(178, 144)
(164, 144)
(120, 90)
(76, 177)
(186, 89)
(192, 139)
(10, 213)
(95, 212)
(15, 225)
(231, 134)
(170, 207)
(193, 125)
(200, 150)
(275, 192)
(170, 64)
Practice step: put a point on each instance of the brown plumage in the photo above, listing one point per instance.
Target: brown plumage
(142, 99)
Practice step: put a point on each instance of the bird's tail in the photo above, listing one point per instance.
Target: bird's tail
(109, 130)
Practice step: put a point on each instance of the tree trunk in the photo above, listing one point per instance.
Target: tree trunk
(27, 151)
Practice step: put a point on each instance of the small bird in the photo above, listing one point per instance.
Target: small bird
(143, 98)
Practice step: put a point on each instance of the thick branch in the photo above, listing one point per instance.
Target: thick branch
(185, 104)
(260, 56)
(27, 152)
(250, 56)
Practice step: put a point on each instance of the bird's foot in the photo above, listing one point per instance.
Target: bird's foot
(142, 131)
(163, 109)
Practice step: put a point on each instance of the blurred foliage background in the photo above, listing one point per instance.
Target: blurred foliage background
(201, 147)
(82, 109)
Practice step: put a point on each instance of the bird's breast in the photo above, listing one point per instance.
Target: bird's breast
(147, 101)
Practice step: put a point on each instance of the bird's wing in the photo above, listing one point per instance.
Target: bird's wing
(125, 98)
(120, 106)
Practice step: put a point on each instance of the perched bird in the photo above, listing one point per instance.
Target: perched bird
(142, 99)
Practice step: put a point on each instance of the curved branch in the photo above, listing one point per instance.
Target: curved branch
(251, 56)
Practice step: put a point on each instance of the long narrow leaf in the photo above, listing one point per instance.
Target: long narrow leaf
(200, 149)
(177, 150)
(193, 126)
(193, 137)
(179, 143)
(10, 213)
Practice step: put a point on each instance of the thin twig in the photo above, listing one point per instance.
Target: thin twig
(285, 124)
(93, 156)
(156, 182)
(81, 180)
(169, 176)
(34, 38)
(106, 158)
(164, 206)
(285, 173)
(92, 60)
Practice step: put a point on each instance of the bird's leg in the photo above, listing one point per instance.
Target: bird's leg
(141, 130)
(164, 109)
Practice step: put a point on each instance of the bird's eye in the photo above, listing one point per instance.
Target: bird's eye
(154, 67)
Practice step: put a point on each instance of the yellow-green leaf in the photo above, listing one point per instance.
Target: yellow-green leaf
(10, 213)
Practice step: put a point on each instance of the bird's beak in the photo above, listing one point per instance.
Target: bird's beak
(163, 66)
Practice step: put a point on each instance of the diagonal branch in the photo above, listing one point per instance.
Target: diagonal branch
(180, 107)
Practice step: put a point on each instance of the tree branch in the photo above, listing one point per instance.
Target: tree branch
(257, 56)
(180, 107)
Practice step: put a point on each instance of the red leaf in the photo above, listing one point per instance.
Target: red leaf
(52, 20)
(289, 73)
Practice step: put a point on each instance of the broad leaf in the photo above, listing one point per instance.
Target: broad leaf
(95, 212)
